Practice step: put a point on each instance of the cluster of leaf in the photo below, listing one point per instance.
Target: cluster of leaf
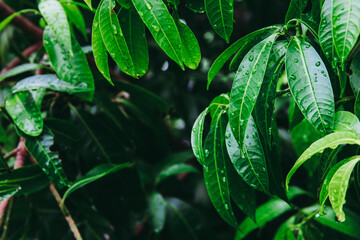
(313, 59)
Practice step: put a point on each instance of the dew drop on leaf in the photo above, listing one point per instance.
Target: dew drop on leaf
(317, 63)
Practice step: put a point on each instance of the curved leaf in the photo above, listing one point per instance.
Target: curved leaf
(7, 190)
(296, 9)
(99, 49)
(55, 16)
(338, 187)
(134, 31)
(220, 15)
(21, 69)
(162, 26)
(49, 162)
(239, 44)
(73, 69)
(114, 39)
(75, 16)
(24, 112)
(88, 2)
(345, 26)
(246, 86)
(93, 175)
(215, 172)
(157, 211)
(195, 6)
(346, 121)
(174, 169)
(7, 20)
(197, 137)
(48, 81)
(331, 140)
(310, 85)
(251, 167)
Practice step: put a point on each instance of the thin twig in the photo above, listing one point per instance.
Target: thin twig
(66, 213)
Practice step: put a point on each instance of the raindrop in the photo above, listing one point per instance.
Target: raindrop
(224, 179)
(226, 207)
(114, 29)
(148, 5)
(292, 77)
(251, 58)
(207, 152)
(296, 61)
(156, 28)
(317, 63)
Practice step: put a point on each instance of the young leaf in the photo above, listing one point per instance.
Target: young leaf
(134, 31)
(39, 148)
(331, 140)
(246, 86)
(24, 112)
(190, 46)
(259, 35)
(197, 137)
(30, 179)
(99, 49)
(215, 172)
(55, 16)
(21, 69)
(114, 39)
(310, 85)
(338, 187)
(47, 81)
(75, 16)
(74, 68)
(157, 211)
(251, 167)
(220, 15)
(345, 18)
(93, 175)
(346, 121)
(162, 26)
(217, 106)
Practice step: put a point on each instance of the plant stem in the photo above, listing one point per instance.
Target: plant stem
(66, 213)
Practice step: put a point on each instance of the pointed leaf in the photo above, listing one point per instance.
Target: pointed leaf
(157, 211)
(310, 85)
(93, 175)
(134, 31)
(88, 2)
(331, 140)
(239, 44)
(73, 69)
(39, 148)
(21, 69)
(114, 39)
(99, 49)
(24, 112)
(220, 15)
(55, 16)
(246, 86)
(345, 26)
(215, 173)
(162, 26)
(251, 167)
(197, 137)
(7, 20)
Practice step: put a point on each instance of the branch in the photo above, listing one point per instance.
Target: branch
(21, 22)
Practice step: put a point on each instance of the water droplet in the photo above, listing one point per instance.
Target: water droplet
(207, 152)
(293, 77)
(141, 14)
(317, 63)
(156, 28)
(148, 5)
(226, 207)
(114, 29)
(296, 61)
(317, 215)
(251, 58)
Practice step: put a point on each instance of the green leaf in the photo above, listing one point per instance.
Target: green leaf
(197, 137)
(125, 3)
(21, 69)
(65, 132)
(74, 68)
(190, 46)
(7, 190)
(39, 148)
(93, 175)
(48, 81)
(326, 32)
(345, 25)
(55, 16)
(239, 44)
(30, 178)
(88, 2)
(157, 211)
(114, 39)
(217, 106)
(74, 16)
(310, 85)
(220, 15)
(346, 121)
(162, 26)
(99, 49)
(331, 140)
(355, 76)
(295, 9)
(215, 172)
(246, 86)
(252, 166)
(24, 112)
(195, 6)
(174, 169)
(134, 31)
(285, 231)
(338, 186)
(7, 20)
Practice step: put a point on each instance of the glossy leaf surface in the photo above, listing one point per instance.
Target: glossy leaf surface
(197, 137)
(21, 69)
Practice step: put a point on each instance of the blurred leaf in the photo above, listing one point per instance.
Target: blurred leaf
(195, 6)
(24, 112)
(7, 190)
(295, 9)
(21, 69)
(162, 26)
(65, 132)
(7, 20)
(93, 175)
(173, 170)
(157, 211)
(74, 16)
(285, 231)
(346, 121)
